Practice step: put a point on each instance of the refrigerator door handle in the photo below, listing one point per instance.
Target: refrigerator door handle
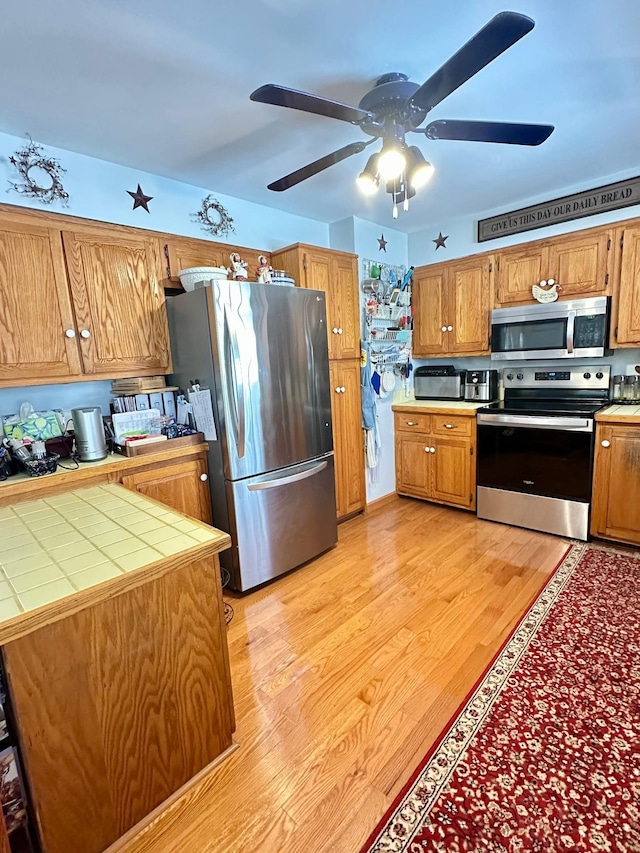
(237, 395)
(283, 481)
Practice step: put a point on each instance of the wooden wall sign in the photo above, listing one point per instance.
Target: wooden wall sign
(585, 203)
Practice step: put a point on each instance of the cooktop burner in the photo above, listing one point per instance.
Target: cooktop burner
(547, 408)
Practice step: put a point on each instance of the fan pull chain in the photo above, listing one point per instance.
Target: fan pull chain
(395, 206)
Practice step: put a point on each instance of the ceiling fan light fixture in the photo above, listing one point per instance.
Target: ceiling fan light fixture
(420, 171)
(368, 180)
(391, 162)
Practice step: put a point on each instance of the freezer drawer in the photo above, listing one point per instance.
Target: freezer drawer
(280, 520)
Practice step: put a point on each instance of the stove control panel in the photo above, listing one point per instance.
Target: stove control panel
(594, 378)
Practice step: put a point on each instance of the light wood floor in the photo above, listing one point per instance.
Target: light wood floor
(344, 673)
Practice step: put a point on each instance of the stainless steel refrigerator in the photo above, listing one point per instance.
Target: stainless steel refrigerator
(262, 350)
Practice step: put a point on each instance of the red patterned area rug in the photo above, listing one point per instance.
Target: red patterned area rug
(545, 753)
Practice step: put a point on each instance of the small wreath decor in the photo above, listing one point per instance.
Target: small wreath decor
(28, 161)
(214, 218)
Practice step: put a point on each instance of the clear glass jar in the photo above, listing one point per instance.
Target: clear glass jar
(631, 391)
(618, 388)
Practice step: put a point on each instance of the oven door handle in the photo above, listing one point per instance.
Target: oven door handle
(563, 424)
(571, 330)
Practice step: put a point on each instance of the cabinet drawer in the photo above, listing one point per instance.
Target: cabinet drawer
(451, 425)
(412, 422)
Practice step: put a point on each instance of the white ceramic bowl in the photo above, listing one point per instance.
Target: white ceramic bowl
(189, 278)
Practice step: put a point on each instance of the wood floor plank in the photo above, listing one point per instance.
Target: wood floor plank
(346, 671)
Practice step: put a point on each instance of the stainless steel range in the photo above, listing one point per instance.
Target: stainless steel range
(535, 449)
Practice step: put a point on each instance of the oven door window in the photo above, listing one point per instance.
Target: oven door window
(530, 336)
(553, 463)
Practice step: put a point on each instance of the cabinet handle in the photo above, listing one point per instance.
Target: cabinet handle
(70, 333)
(449, 328)
(85, 333)
(450, 426)
(606, 443)
(412, 423)
(335, 330)
(204, 477)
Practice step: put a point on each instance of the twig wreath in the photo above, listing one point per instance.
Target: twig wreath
(214, 218)
(32, 158)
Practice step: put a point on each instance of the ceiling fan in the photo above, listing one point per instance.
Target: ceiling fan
(396, 106)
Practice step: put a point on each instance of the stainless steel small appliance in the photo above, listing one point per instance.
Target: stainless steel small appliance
(442, 382)
(481, 385)
(535, 449)
(89, 433)
(577, 328)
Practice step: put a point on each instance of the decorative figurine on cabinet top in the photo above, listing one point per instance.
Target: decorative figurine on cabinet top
(263, 270)
(238, 267)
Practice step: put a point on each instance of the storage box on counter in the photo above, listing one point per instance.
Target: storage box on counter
(157, 443)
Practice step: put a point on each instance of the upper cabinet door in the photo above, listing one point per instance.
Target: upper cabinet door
(429, 306)
(37, 327)
(518, 270)
(318, 270)
(579, 264)
(468, 310)
(118, 302)
(181, 253)
(346, 285)
(628, 313)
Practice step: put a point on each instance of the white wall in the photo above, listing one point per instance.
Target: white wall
(462, 233)
(97, 190)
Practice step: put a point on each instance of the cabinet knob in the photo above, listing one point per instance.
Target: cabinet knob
(204, 477)
(85, 333)
(444, 328)
(70, 333)
(449, 328)
(427, 450)
(412, 423)
(342, 389)
(338, 390)
(335, 330)
(433, 450)
(606, 443)
(450, 426)
(339, 331)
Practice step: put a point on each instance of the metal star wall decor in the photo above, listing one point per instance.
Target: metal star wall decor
(140, 199)
(440, 241)
(383, 243)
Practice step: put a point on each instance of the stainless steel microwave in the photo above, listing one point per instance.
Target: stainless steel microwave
(577, 328)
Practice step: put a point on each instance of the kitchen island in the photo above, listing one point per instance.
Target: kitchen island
(114, 648)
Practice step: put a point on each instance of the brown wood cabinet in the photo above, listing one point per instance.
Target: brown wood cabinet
(336, 273)
(118, 302)
(435, 456)
(626, 309)
(615, 511)
(182, 485)
(347, 436)
(181, 253)
(580, 263)
(451, 304)
(77, 304)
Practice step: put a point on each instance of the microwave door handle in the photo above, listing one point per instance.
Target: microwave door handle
(571, 329)
(235, 384)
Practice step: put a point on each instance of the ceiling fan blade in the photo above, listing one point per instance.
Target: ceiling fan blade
(502, 31)
(490, 131)
(317, 166)
(281, 96)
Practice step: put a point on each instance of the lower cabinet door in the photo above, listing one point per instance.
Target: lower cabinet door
(348, 436)
(451, 472)
(413, 465)
(615, 512)
(183, 486)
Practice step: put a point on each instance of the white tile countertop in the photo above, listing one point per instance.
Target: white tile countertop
(58, 546)
(617, 413)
